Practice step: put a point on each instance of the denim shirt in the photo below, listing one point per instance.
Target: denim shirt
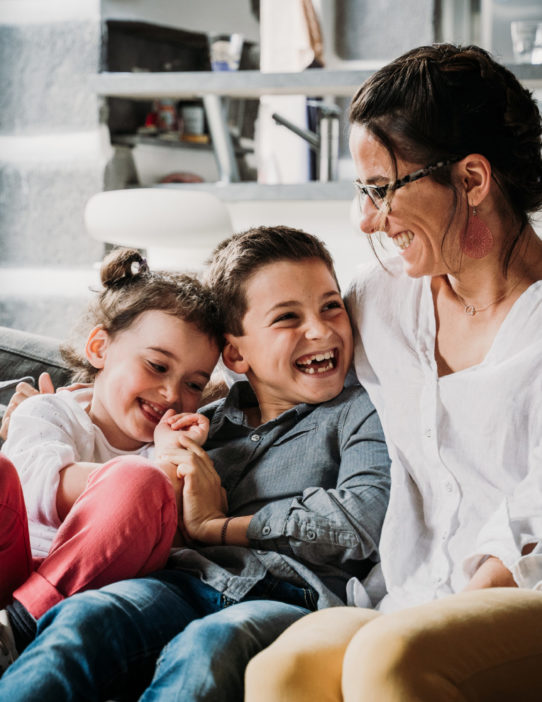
(316, 479)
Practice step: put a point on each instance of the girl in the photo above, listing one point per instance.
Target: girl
(99, 508)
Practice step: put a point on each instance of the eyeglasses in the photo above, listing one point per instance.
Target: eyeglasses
(378, 193)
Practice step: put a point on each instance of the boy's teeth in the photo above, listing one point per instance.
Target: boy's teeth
(403, 240)
(322, 369)
(317, 357)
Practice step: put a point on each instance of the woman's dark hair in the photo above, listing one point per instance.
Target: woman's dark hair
(443, 101)
(130, 288)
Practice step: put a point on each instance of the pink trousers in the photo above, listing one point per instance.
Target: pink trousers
(120, 527)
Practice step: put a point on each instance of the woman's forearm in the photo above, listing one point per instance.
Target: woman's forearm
(492, 573)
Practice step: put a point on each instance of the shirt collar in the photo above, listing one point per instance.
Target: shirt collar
(241, 395)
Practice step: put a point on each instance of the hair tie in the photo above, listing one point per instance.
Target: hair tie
(142, 267)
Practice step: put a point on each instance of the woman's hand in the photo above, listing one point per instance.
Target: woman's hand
(492, 573)
(22, 392)
(204, 502)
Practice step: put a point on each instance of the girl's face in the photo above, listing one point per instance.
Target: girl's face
(420, 210)
(159, 362)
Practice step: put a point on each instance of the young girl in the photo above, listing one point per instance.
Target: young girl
(99, 507)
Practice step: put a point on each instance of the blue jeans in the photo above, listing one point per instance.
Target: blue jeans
(167, 636)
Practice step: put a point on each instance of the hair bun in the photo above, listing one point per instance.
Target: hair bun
(122, 267)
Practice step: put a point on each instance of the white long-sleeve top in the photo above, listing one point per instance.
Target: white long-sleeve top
(46, 434)
(466, 448)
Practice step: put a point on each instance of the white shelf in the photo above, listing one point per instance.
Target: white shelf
(253, 84)
(240, 84)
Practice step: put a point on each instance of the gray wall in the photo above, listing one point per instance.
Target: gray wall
(370, 31)
(52, 159)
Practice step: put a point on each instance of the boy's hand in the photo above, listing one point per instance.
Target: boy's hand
(203, 497)
(170, 436)
(22, 392)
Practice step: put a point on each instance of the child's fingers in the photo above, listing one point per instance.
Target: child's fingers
(175, 456)
(186, 420)
(176, 417)
(166, 417)
(200, 468)
(45, 384)
(193, 446)
(22, 391)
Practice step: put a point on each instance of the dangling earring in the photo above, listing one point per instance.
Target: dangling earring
(478, 240)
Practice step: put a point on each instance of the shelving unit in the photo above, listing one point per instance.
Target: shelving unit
(191, 85)
(211, 86)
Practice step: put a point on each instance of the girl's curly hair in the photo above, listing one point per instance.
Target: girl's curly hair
(130, 288)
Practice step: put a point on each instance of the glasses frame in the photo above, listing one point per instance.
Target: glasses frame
(378, 193)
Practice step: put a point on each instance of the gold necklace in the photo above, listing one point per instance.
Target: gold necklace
(471, 310)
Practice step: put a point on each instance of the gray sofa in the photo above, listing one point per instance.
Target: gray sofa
(23, 356)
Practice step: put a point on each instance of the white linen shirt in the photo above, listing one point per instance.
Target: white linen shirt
(46, 434)
(466, 448)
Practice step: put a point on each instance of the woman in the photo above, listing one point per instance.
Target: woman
(446, 145)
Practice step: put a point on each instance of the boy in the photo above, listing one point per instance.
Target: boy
(306, 473)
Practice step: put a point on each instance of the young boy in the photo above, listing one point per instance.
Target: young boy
(305, 469)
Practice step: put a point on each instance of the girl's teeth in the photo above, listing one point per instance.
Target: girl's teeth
(152, 408)
(403, 240)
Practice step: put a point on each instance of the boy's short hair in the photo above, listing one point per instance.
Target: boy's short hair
(236, 260)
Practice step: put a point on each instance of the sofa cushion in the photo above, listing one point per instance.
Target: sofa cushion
(23, 356)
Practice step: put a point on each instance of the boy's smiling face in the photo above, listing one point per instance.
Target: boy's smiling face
(297, 342)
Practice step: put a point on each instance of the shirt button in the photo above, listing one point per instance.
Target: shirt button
(255, 437)
(311, 535)
(428, 433)
(449, 487)
(266, 530)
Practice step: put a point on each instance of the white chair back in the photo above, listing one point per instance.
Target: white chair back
(178, 228)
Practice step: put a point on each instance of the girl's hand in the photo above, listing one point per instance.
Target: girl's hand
(22, 392)
(174, 429)
(192, 425)
(203, 498)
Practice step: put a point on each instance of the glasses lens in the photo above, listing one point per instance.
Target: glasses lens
(371, 193)
(376, 198)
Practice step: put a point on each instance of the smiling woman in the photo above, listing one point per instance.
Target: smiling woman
(448, 338)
